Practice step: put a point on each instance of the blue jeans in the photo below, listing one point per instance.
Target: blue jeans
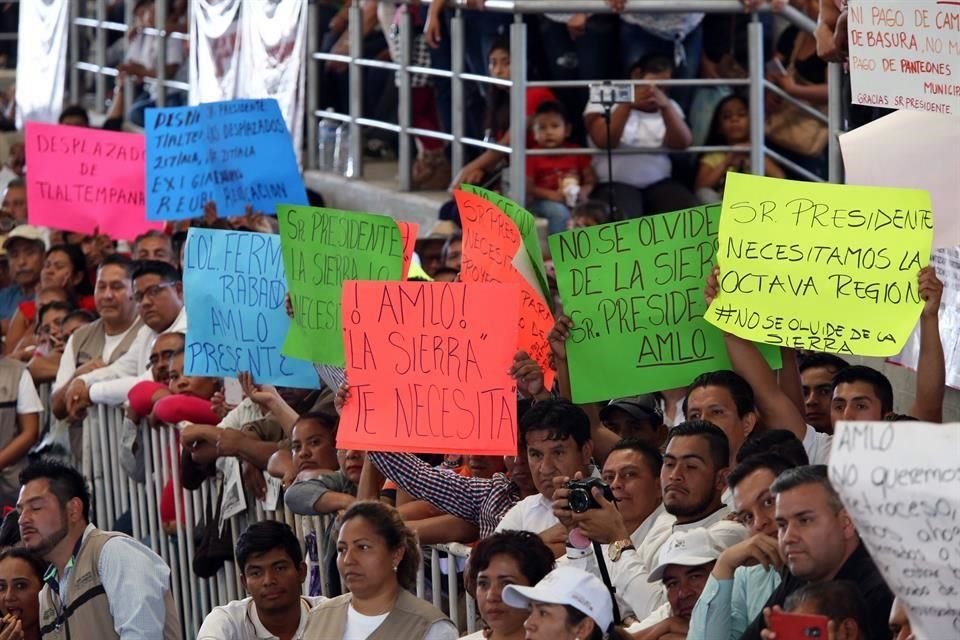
(143, 102)
(636, 42)
(555, 213)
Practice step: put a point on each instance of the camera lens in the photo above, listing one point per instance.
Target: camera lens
(579, 501)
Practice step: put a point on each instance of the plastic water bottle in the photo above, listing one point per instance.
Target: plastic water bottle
(342, 162)
(327, 144)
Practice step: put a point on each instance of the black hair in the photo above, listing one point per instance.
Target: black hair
(177, 240)
(388, 524)
(325, 420)
(56, 305)
(652, 63)
(74, 111)
(66, 482)
(533, 557)
(267, 535)
(779, 441)
(500, 43)
(714, 435)
(859, 373)
(10, 530)
(838, 600)
(822, 360)
(562, 419)
(496, 117)
(714, 136)
(36, 563)
(552, 107)
(78, 262)
(772, 462)
(574, 616)
(592, 209)
(649, 452)
(18, 183)
(813, 474)
(166, 271)
(740, 390)
(118, 260)
(81, 314)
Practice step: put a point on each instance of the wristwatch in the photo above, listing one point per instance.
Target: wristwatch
(618, 547)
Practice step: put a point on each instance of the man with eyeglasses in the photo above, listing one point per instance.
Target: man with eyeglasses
(159, 292)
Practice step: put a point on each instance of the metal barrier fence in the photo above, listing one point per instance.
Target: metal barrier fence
(116, 494)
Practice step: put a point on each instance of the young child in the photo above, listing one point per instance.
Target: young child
(730, 127)
(555, 184)
(588, 214)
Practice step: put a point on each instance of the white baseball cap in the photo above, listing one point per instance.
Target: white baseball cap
(687, 549)
(567, 586)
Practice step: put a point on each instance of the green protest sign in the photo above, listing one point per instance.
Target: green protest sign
(634, 291)
(321, 249)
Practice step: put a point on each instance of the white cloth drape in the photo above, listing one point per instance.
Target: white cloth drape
(41, 58)
(251, 49)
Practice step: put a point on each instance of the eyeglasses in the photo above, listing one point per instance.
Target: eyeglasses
(151, 292)
(164, 356)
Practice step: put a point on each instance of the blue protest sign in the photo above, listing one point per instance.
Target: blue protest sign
(232, 153)
(234, 288)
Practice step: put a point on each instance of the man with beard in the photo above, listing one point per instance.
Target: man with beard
(100, 584)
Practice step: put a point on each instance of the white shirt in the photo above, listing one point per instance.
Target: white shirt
(360, 626)
(642, 130)
(111, 384)
(238, 620)
(659, 614)
(244, 413)
(817, 445)
(533, 513)
(28, 400)
(629, 574)
(145, 50)
(68, 365)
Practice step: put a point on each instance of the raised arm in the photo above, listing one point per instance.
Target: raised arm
(931, 369)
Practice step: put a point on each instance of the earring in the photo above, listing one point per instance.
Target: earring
(395, 570)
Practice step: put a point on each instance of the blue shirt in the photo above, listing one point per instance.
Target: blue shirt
(727, 607)
(10, 299)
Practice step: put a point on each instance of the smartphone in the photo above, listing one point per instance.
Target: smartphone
(795, 626)
(775, 68)
(611, 93)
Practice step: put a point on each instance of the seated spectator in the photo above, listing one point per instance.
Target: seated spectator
(839, 601)
(641, 184)
(26, 247)
(683, 565)
(730, 127)
(558, 182)
(142, 54)
(154, 245)
(21, 578)
(497, 561)
(816, 377)
(74, 115)
(567, 604)
(20, 409)
(145, 394)
(377, 557)
(484, 169)
(819, 543)
(637, 417)
(44, 359)
(272, 571)
(14, 199)
(746, 574)
(588, 214)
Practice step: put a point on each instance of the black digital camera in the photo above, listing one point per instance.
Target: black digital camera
(581, 494)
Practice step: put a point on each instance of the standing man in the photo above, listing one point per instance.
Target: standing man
(100, 584)
(272, 571)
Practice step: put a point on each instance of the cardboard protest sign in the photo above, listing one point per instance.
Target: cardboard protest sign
(408, 234)
(491, 240)
(83, 179)
(528, 262)
(234, 290)
(233, 153)
(823, 267)
(428, 367)
(914, 161)
(901, 486)
(634, 292)
(321, 249)
(903, 54)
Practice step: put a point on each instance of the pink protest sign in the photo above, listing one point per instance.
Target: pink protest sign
(81, 179)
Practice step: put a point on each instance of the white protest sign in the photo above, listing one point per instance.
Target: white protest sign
(900, 482)
(947, 264)
(903, 54)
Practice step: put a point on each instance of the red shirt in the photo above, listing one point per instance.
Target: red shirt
(547, 171)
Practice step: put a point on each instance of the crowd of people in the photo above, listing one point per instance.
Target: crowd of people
(699, 512)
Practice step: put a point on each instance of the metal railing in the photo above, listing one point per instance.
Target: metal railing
(115, 494)
(519, 82)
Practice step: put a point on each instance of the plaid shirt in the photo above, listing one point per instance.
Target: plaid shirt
(478, 500)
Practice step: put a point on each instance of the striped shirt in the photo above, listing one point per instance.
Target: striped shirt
(481, 501)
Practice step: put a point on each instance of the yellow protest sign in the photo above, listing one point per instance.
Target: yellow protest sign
(823, 267)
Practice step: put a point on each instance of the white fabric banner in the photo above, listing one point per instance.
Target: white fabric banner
(41, 58)
(251, 49)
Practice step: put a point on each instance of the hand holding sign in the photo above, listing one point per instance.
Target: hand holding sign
(428, 367)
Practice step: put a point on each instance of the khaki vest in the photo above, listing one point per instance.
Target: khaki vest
(89, 341)
(10, 373)
(87, 615)
(410, 619)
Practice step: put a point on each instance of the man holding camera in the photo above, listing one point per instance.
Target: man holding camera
(692, 480)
